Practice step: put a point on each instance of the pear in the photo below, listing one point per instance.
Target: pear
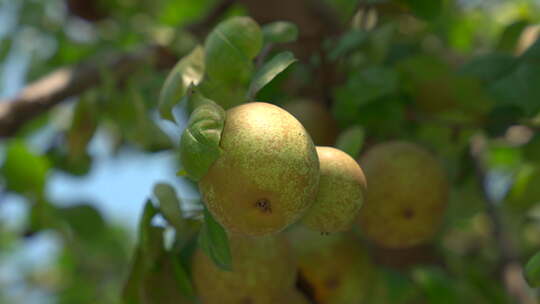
(341, 192)
(267, 174)
(262, 269)
(407, 196)
(317, 120)
(334, 269)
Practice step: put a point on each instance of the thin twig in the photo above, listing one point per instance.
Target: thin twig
(512, 271)
(56, 87)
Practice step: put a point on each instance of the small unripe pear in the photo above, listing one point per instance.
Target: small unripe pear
(267, 175)
(341, 192)
(407, 195)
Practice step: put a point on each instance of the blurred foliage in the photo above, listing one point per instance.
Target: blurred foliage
(437, 73)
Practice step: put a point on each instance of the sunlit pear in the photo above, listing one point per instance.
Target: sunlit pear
(267, 175)
(341, 192)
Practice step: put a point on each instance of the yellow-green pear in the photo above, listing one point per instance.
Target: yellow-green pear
(407, 196)
(341, 192)
(267, 175)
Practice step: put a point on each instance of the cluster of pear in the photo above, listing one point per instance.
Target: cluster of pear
(271, 175)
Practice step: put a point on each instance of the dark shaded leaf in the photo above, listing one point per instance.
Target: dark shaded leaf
(520, 88)
(214, 242)
(426, 9)
(488, 67)
(349, 42)
(510, 36)
(532, 271)
(367, 85)
(270, 70)
(189, 70)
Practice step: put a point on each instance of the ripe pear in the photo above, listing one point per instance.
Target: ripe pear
(341, 192)
(267, 175)
(407, 195)
(334, 269)
(263, 268)
(317, 120)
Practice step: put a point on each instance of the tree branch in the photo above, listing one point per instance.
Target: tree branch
(512, 271)
(56, 87)
(43, 94)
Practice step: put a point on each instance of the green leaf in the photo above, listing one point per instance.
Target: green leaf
(489, 67)
(525, 191)
(400, 288)
(84, 220)
(24, 170)
(146, 132)
(224, 94)
(520, 88)
(532, 271)
(150, 237)
(189, 70)
(280, 32)
(510, 36)
(166, 283)
(270, 70)
(349, 42)
(229, 49)
(83, 126)
(131, 291)
(426, 9)
(169, 204)
(437, 286)
(351, 140)
(380, 41)
(367, 85)
(182, 277)
(214, 242)
(199, 145)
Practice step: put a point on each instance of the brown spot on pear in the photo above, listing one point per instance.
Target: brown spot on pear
(341, 192)
(262, 268)
(317, 120)
(407, 195)
(267, 175)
